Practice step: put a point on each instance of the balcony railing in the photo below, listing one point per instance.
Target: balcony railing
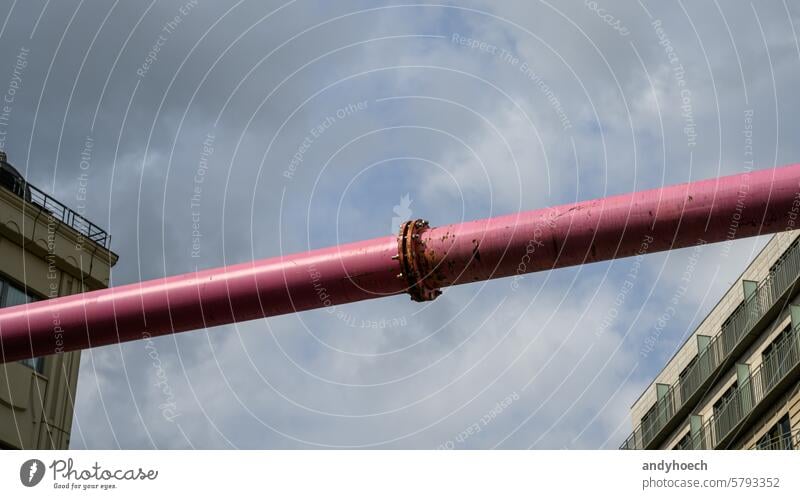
(787, 441)
(720, 429)
(61, 213)
(718, 354)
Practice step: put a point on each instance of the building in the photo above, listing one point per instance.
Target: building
(46, 250)
(735, 383)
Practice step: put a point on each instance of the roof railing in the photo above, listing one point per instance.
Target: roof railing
(58, 210)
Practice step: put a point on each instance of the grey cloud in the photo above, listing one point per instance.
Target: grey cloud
(321, 379)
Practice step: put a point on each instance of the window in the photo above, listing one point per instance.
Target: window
(727, 411)
(773, 357)
(36, 363)
(787, 331)
(729, 394)
(732, 328)
(779, 437)
(685, 379)
(688, 368)
(649, 424)
(11, 295)
(774, 267)
(779, 261)
(685, 443)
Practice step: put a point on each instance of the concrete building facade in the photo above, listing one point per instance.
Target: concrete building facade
(735, 382)
(46, 250)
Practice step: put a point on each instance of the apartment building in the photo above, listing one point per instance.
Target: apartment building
(46, 250)
(735, 383)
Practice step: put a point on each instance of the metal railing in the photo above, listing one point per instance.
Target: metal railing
(787, 441)
(754, 307)
(784, 357)
(62, 214)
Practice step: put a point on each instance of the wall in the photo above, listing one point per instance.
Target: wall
(50, 259)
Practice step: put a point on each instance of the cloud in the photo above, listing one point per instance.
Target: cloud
(550, 105)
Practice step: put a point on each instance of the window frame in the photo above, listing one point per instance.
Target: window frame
(777, 437)
(685, 443)
(37, 364)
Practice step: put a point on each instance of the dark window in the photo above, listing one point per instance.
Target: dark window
(787, 331)
(14, 296)
(779, 437)
(780, 259)
(733, 314)
(685, 443)
(686, 383)
(775, 266)
(732, 328)
(649, 424)
(727, 411)
(774, 362)
(721, 402)
(781, 278)
(688, 368)
(11, 295)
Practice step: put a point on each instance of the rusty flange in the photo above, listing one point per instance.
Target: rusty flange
(411, 254)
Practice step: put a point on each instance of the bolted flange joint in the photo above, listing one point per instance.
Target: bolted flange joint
(411, 255)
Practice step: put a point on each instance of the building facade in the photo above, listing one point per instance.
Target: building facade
(735, 383)
(46, 250)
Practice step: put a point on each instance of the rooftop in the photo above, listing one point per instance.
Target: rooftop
(12, 180)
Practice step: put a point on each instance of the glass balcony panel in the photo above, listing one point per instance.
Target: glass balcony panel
(785, 271)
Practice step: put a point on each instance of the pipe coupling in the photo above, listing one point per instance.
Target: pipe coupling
(413, 265)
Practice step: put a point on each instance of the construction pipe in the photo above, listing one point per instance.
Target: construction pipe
(419, 261)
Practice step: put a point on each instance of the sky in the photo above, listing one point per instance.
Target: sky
(224, 131)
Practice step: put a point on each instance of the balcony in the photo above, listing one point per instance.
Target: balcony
(787, 441)
(14, 183)
(765, 384)
(736, 335)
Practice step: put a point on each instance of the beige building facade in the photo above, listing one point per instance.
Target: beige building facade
(735, 383)
(46, 250)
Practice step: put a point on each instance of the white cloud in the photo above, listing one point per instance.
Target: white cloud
(318, 379)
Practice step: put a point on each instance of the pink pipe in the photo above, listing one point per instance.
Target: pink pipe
(656, 220)
(707, 211)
